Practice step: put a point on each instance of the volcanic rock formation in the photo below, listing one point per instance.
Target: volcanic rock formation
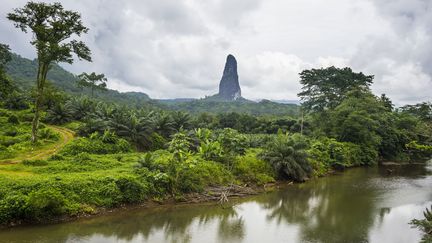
(229, 87)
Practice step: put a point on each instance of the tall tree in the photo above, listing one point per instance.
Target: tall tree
(6, 85)
(93, 81)
(325, 88)
(5, 56)
(52, 28)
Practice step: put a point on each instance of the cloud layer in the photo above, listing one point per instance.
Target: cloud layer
(170, 48)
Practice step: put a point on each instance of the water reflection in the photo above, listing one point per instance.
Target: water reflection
(326, 210)
(360, 205)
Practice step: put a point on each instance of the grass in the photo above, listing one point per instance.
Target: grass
(44, 150)
(63, 176)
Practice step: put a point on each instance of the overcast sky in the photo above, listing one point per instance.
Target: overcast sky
(177, 48)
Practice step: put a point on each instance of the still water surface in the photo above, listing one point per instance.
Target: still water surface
(359, 205)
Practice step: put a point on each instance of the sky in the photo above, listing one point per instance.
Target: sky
(177, 48)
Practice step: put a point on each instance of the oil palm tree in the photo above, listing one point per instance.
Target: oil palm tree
(287, 156)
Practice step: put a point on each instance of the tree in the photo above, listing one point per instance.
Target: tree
(425, 225)
(386, 102)
(421, 110)
(288, 157)
(6, 86)
(52, 27)
(93, 81)
(325, 88)
(58, 114)
(181, 120)
(5, 56)
(164, 124)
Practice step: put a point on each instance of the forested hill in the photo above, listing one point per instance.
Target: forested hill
(23, 72)
(264, 107)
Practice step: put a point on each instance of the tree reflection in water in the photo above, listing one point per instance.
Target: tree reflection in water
(321, 211)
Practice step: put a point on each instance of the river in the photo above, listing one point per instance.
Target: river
(358, 205)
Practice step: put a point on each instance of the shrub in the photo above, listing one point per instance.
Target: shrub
(36, 162)
(96, 145)
(157, 142)
(146, 161)
(56, 157)
(16, 101)
(194, 175)
(327, 153)
(45, 202)
(12, 207)
(132, 190)
(232, 141)
(46, 133)
(250, 169)
(13, 120)
(11, 132)
(288, 157)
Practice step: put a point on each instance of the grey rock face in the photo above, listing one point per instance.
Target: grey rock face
(229, 87)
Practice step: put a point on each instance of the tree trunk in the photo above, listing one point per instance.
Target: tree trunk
(41, 77)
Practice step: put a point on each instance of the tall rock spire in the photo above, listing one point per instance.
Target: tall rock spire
(229, 87)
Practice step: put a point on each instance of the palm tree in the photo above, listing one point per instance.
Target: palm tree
(181, 120)
(80, 107)
(287, 156)
(425, 225)
(58, 114)
(136, 129)
(164, 124)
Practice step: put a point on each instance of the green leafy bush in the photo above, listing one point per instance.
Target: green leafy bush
(424, 225)
(46, 133)
(46, 202)
(36, 162)
(250, 169)
(131, 189)
(13, 119)
(97, 144)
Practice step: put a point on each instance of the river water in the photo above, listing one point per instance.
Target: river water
(359, 205)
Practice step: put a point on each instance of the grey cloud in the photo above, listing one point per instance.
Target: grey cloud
(400, 59)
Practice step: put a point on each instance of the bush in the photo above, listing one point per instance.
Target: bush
(250, 169)
(327, 153)
(45, 202)
(132, 190)
(13, 207)
(16, 101)
(96, 144)
(13, 120)
(36, 162)
(11, 132)
(46, 133)
(194, 175)
(232, 141)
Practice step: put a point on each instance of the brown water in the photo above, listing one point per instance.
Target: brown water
(359, 205)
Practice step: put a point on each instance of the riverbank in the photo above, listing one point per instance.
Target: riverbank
(66, 186)
(217, 195)
(367, 203)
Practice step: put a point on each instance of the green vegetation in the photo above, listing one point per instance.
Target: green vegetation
(15, 135)
(93, 81)
(130, 153)
(425, 225)
(264, 107)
